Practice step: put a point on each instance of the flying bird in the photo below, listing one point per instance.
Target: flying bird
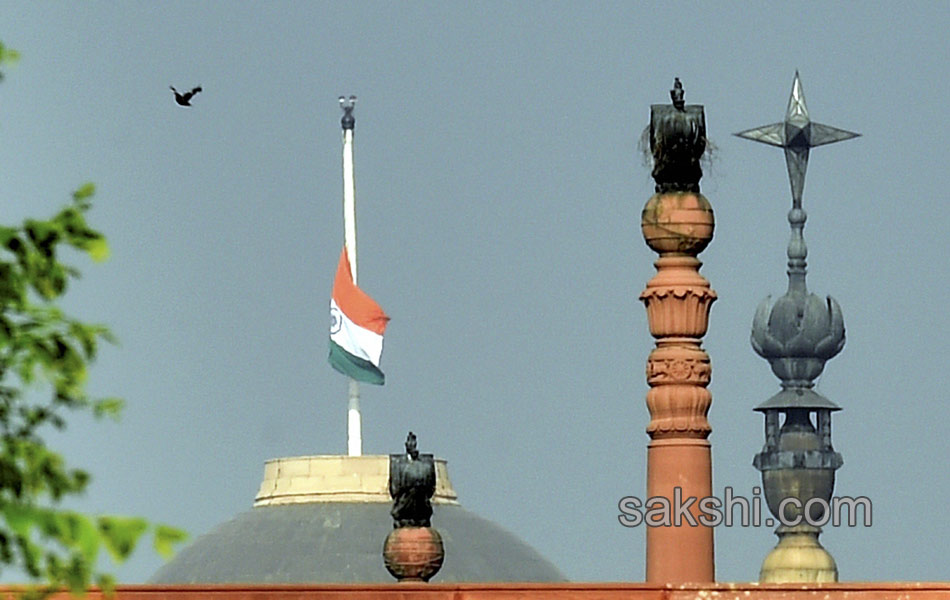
(184, 99)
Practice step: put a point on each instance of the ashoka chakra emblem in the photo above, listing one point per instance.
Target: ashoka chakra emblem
(336, 320)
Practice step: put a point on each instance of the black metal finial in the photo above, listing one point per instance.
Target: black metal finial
(411, 486)
(677, 142)
(348, 121)
(677, 94)
(412, 449)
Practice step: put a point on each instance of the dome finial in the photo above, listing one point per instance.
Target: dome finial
(797, 334)
(800, 331)
(797, 134)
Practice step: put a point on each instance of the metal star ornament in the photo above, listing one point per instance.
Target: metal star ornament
(797, 135)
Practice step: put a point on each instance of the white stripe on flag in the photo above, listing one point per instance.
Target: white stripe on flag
(356, 340)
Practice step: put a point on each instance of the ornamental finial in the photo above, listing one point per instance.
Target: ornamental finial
(348, 121)
(677, 142)
(413, 550)
(798, 332)
(677, 94)
(677, 222)
(797, 134)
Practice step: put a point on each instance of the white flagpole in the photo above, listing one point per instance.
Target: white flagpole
(354, 436)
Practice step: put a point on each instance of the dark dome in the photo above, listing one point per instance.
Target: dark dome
(342, 542)
(323, 519)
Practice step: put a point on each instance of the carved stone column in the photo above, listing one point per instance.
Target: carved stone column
(678, 226)
(677, 223)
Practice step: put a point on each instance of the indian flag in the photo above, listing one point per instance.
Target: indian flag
(357, 324)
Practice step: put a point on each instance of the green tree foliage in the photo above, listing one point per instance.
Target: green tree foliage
(44, 357)
(8, 56)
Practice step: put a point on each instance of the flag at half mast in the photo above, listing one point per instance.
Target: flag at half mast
(357, 324)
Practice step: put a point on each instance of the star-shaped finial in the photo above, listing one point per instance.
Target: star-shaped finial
(797, 135)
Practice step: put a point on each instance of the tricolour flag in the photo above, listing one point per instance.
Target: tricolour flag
(357, 324)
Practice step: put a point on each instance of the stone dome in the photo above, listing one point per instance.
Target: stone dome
(323, 519)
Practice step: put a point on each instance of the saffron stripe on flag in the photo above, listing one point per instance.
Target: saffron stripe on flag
(354, 302)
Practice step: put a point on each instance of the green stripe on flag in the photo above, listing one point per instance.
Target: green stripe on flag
(358, 368)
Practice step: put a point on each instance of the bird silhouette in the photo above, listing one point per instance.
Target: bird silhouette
(184, 99)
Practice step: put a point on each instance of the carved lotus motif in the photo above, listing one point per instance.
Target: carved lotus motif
(678, 411)
(798, 334)
(678, 311)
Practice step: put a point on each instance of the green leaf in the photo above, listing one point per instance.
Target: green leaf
(41, 346)
(166, 537)
(86, 538)
(8, 55)
(120, 534)
(77, 575)
(19, 517)
(108, 407)
(106, 584)
(14, 244)
(98, 249)
(31, 555)
(85, 191)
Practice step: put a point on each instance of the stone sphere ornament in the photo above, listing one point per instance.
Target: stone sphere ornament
(413, 553)
(680, 222)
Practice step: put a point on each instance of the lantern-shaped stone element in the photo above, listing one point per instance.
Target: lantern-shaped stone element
(677, 222)
(798, 466)
(797, 334)
(413, 550)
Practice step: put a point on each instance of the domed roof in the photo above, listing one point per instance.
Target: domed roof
(324, 518)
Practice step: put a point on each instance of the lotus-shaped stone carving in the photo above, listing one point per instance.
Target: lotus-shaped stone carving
(797, 334)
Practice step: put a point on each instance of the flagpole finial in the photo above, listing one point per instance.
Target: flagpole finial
(348, 121)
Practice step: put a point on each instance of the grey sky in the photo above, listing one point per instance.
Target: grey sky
(499, 190)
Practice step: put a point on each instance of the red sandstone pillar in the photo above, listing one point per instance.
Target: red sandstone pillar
(678, 225)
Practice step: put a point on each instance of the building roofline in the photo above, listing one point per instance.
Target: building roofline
(524, 591)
